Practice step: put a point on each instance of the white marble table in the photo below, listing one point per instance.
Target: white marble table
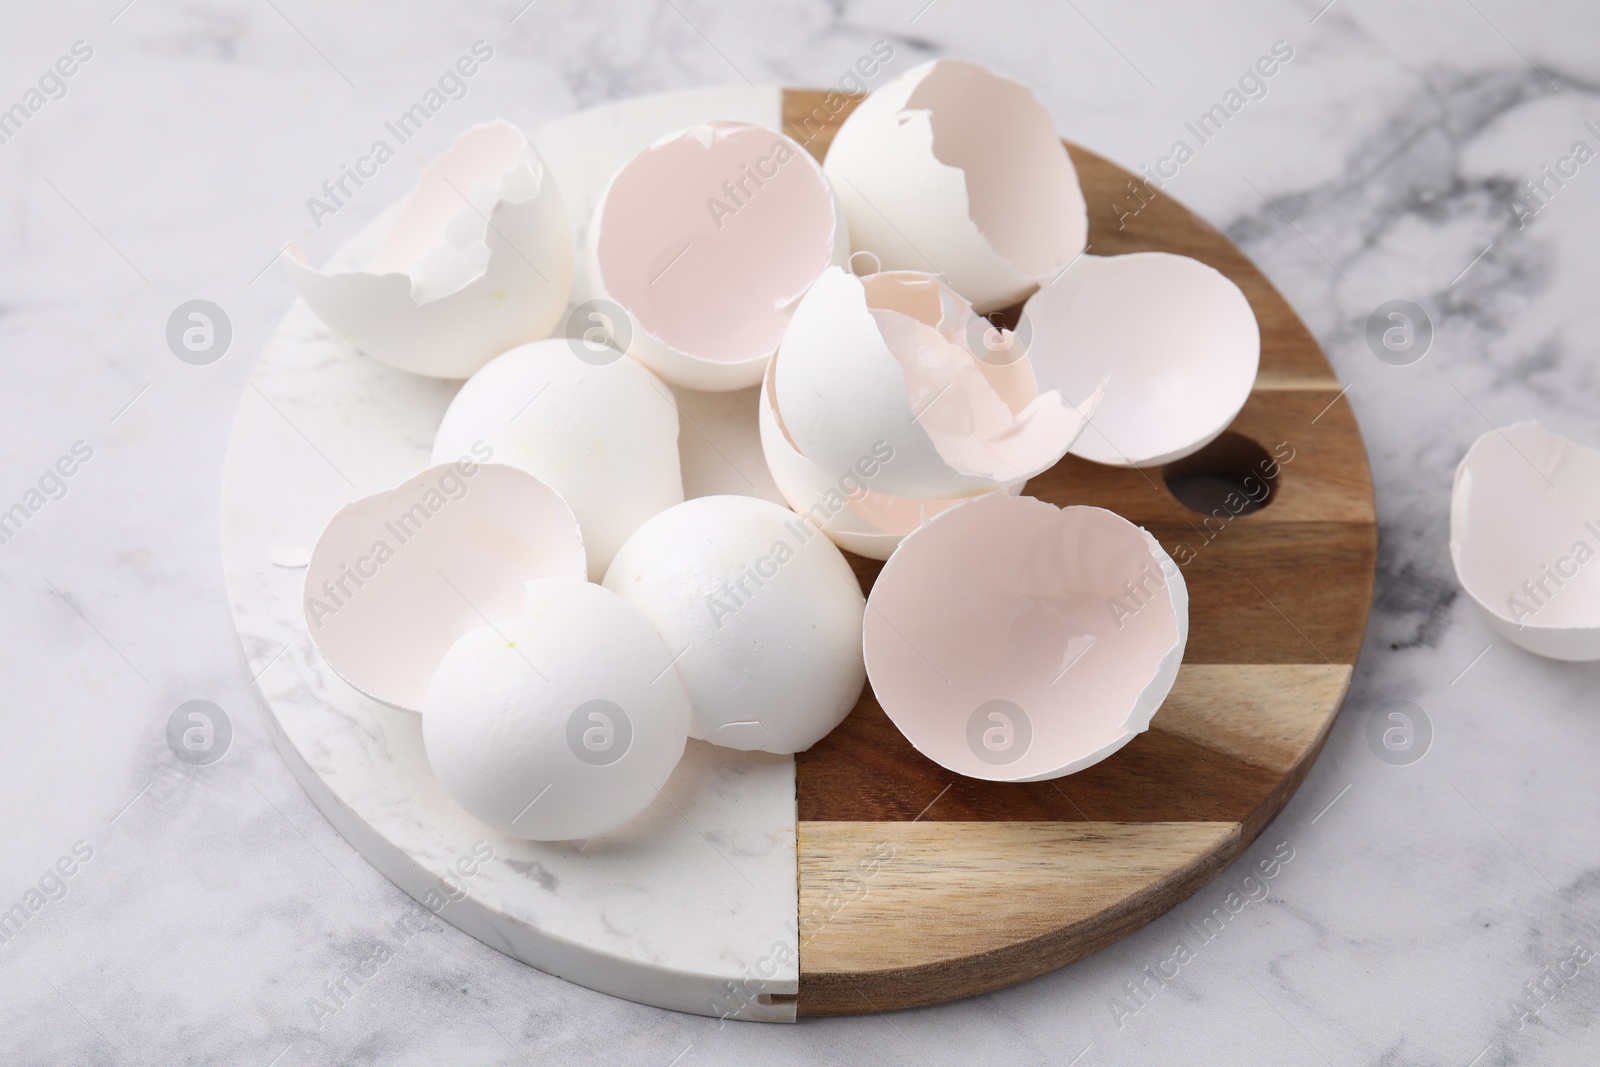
(208, 904)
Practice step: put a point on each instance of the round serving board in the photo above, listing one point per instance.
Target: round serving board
(914, 885)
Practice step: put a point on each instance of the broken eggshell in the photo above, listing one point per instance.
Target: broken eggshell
(953, 169)
(855, 518)
(762, 611)
(881, 367)
(1174, 340)
(478, 261)
(1014, 641)
(398, 576)
(1525, 537)
(706, 239)
(603, 436)
(561, 723)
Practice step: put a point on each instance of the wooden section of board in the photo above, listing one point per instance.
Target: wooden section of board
(919, 886)
(886, 908)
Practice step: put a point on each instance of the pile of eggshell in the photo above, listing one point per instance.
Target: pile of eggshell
(564, 619)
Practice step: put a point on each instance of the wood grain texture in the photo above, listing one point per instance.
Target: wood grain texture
(987, 884)
(890, 909)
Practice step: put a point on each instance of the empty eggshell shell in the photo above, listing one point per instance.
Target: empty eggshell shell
(1525, 539)
(862, 521)
(762, 612)
(560, 724)
(478, 261)
(882, 365)
(605, 437)
(1013, 641)
(1174, 339)
(706, 239)
(398, 576)
(953, 169)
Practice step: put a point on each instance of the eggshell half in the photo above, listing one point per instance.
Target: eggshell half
(762, 612)
(1174, 339)
(872, 367)
(706, 239)
(952, 169)
(561, 724)
(604, 437)
(1525, 539)
(398, 576)
(1013, 641)
(478, 261)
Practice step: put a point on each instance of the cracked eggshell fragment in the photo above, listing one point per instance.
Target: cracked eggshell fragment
(953, 169)
(881, 367)
(856, 519)
(706, 239)
(560, 724)
(1525, 539)
(1175, 341)
(762, 612)
(603, 436)
(478, 261)
(398, 576)
(810, 491)
(1015, 641)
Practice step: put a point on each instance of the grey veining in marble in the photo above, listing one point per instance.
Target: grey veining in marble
(1381, 164)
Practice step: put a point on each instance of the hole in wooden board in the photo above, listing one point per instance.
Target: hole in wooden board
(1232, 476)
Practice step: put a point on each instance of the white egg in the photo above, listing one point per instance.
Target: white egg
(1014, 641)
(560, 724)
(762, 613)
(705, 240)
(479, 260)
(954, 170)
(882, 368)
(1174, 340)
(396, 577)
(1525, 539)
(604, 436)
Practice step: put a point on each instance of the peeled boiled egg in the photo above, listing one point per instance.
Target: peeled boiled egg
(951, 169)
(705, 240)
(883, 367)
(561, 723)
(1525, 539)
(478, 261)
(1174, 340)
(602, 434)
(1013, 640)
(762, 614)
(398, 576)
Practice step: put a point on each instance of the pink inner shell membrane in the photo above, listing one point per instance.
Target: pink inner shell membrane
(1063, 613)
(481, 156)
(924, 298)
(707, 244)
(398, 576)
(920, 296)
(1527, 505)
(1018, 173)
(975, 427)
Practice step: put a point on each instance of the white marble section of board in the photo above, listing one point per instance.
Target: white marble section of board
(583, 150)
(686, 908)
